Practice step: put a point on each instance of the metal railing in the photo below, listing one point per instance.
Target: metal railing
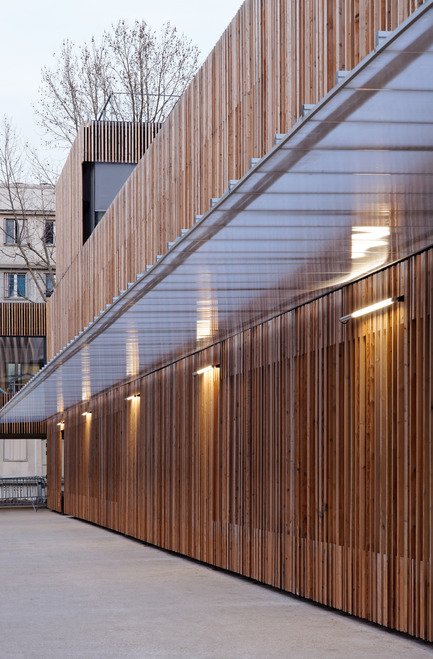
(117, 107)
(30, 491)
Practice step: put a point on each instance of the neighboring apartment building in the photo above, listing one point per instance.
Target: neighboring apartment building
(27, 243)
(215, 393)
(27, 277)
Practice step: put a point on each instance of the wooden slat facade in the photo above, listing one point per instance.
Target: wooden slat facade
(97, 141)
(116, 141)
(274, 56)
(21, 430)
(305, 462)
(22, 319)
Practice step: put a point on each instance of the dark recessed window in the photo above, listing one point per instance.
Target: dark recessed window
(101, 183)
(49, 232)
(49, 285)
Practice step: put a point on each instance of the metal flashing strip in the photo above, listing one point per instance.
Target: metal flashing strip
(348, 191)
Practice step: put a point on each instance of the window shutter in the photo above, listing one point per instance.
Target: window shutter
(6, 285)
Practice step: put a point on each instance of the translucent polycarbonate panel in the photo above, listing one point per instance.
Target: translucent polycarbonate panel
(327, 183)
(374, 136)
(411, 78)
(349, 191)
(365, 105)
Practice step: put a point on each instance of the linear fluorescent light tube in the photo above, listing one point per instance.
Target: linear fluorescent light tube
(206, 369)
(132, 396)
(372, 308)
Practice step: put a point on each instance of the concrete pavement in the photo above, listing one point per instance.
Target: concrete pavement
(70, 589)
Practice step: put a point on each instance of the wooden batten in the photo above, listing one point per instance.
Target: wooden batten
(271, 59)
(304, 461)
(116, 141)
(22, 319)
(21, 430)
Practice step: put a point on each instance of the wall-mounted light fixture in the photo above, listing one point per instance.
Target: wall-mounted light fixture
(61, 425)
(88, 413)
(132, 397)
(206, 369)
(371, 308)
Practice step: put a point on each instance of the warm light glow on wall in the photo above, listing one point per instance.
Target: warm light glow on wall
(371, 308)
(61, 425)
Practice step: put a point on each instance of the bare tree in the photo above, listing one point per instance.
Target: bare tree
(27, 224)
(142, 72)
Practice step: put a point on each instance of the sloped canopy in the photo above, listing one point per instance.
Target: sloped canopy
(348, 191)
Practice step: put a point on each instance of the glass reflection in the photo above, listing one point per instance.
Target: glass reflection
(132, 355)
(207, 312)
(370, 242)
(21, 357)
(60, 399)
(207, 309)
(86, 390)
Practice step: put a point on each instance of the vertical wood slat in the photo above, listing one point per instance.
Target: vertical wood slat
(304, 463)
(22, 319)
(273, 57)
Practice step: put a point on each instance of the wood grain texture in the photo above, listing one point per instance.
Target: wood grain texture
(274, 56)
(22, 319)
(305, 462)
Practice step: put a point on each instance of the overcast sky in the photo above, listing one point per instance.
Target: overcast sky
(32, 30)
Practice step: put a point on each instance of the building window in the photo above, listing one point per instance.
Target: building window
(14, 232)
(14, 376)
(49, 285)
(11, 232)
(21, 357)
(15, 285)
(49, 232)
(101, 183)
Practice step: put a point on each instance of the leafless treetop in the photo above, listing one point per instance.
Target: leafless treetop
(145, 71)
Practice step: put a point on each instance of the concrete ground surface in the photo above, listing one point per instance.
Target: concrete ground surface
(70, 589)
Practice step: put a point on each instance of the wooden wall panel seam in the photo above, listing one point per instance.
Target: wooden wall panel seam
(305, 462)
